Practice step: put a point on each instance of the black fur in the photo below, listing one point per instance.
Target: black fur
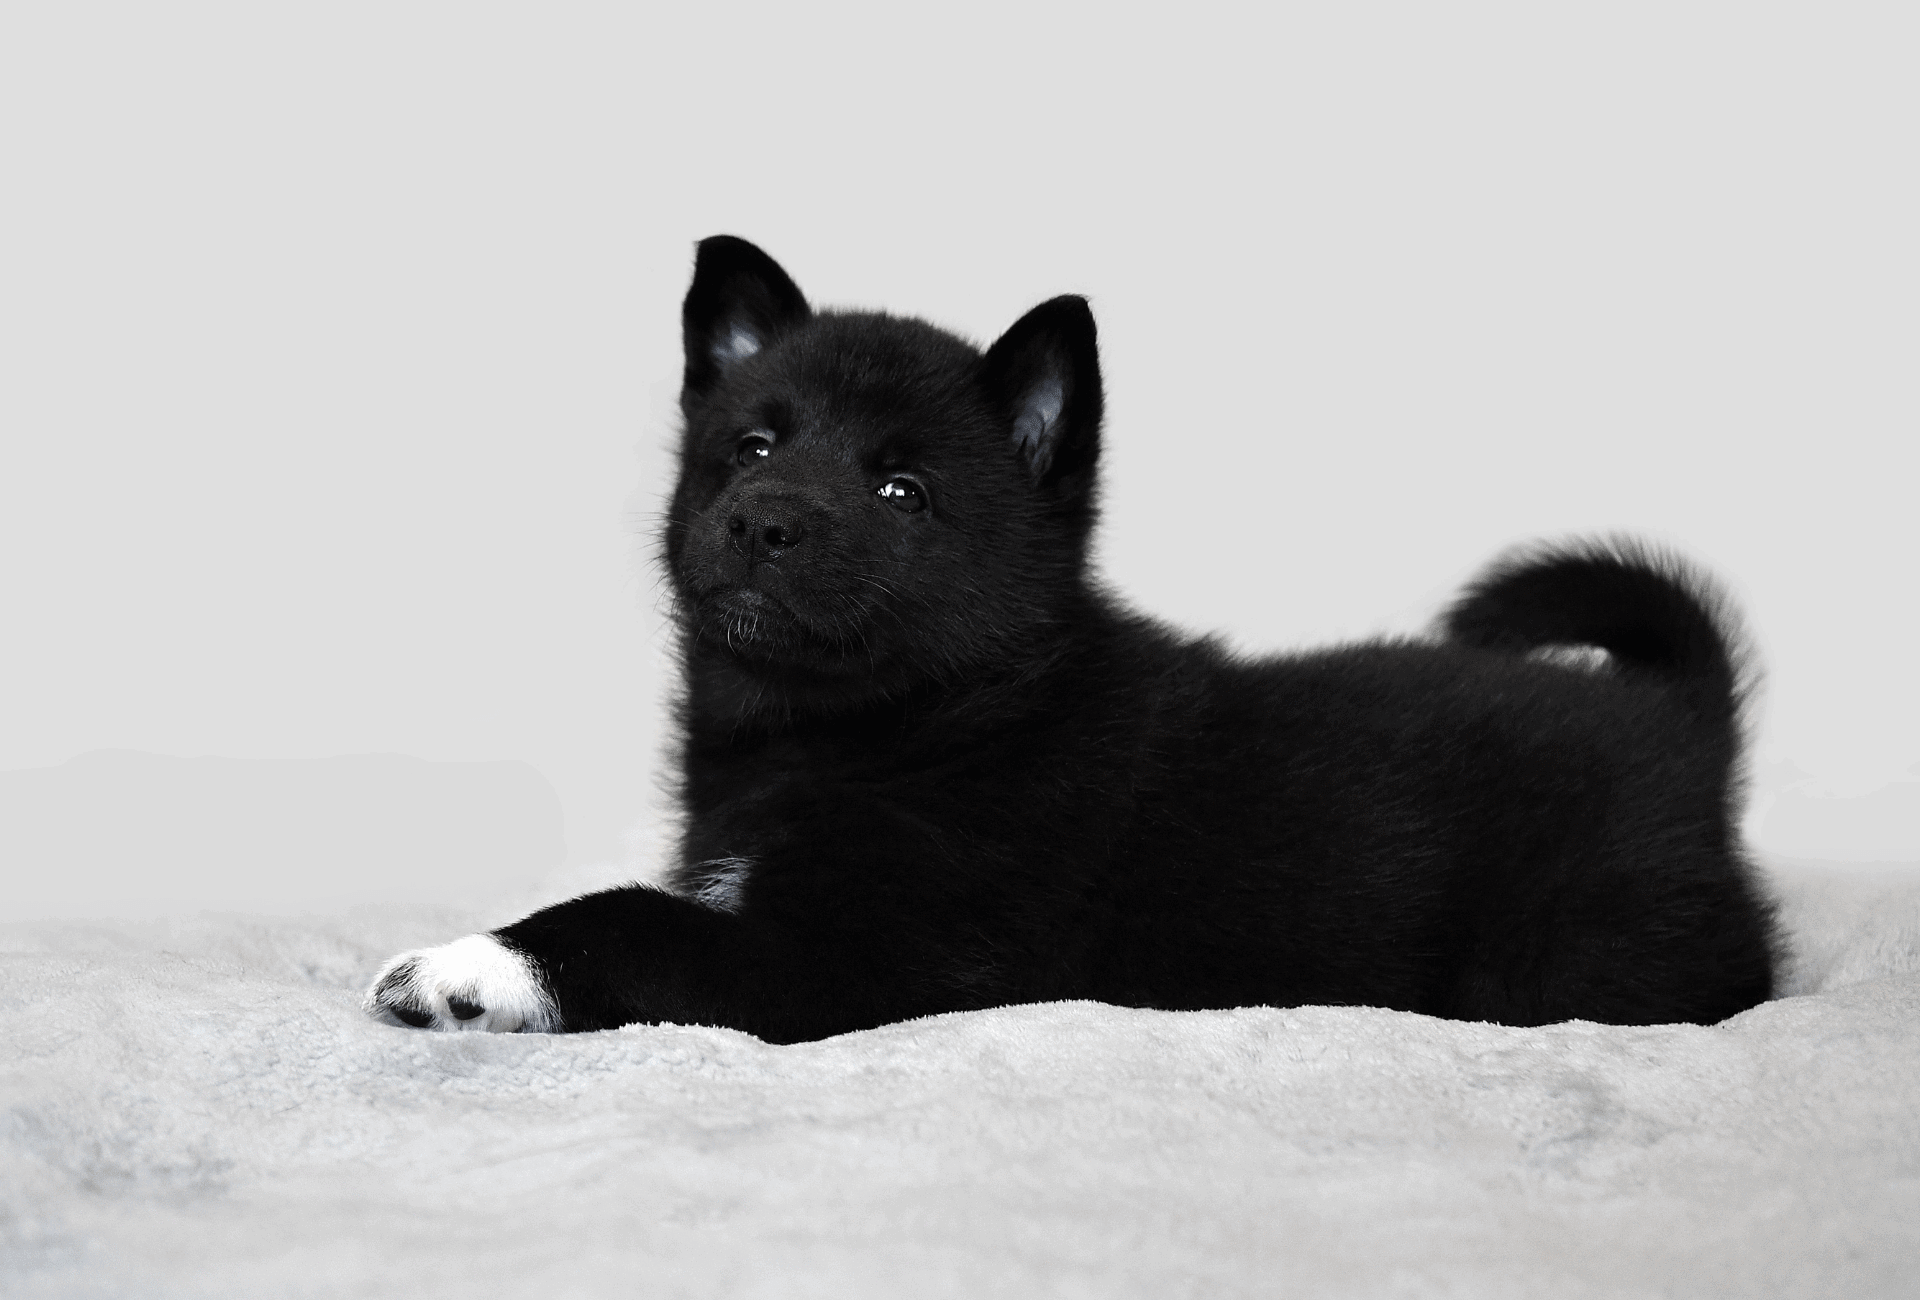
(928, 765)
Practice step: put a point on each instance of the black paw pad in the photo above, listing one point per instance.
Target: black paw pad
(418, 1019)
(463, 1009)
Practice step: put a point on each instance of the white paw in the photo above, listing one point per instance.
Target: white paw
(475, 983)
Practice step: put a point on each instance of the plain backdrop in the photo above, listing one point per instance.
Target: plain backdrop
(339, 348)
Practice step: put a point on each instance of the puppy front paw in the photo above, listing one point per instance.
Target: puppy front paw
(475, 983)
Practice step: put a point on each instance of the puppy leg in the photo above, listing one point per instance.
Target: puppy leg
(607, 959)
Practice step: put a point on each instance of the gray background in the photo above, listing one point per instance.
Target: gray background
(338, 348)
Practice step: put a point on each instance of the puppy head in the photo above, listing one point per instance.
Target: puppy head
(867, 503)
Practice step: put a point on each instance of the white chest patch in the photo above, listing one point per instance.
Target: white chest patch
(472, 984)
(725, 887)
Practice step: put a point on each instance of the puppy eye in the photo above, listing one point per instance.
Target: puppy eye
(753, 448)
(904, 495)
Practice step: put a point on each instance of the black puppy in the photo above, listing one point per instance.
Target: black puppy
(929, 766)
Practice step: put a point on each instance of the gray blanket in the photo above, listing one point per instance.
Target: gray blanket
(197, 1108)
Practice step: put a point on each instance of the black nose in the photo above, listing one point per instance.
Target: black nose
(765, 530)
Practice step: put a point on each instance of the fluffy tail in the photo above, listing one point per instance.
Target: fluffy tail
(1648, 608)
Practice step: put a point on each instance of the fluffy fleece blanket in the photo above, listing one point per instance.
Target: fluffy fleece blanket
(197, 1108)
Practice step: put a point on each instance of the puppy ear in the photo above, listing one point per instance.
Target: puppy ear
(740, 302)
(1045, 375)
